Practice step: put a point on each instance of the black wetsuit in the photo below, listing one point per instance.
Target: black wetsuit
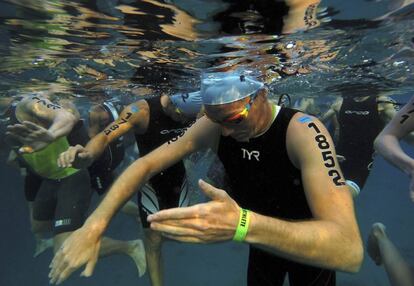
(101, 171)
(64, 201)
(265, 181)
(167, 184)
(359, 125)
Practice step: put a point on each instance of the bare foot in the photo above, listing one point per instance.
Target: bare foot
(138, 255)
(131, 208)
(41, 245)
(377, 233)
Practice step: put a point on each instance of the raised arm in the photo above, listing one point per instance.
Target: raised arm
(42, 123)
(59, 120)
(332, 111)
(331, 239)
(133, 117)
(82, 246)
(302, 15)
(387, 142)
(387, 111)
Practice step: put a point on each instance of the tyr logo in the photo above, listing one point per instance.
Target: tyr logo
(253, 153)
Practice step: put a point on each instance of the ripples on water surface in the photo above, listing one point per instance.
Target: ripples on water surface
(123, 48)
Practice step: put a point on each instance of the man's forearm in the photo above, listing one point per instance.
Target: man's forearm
(62, 124)
(319, 243)
(97, 145)
(389, 147)
(124, 187)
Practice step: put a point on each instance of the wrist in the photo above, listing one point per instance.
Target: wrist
(51, 136)
(95, 227)
(242, 225)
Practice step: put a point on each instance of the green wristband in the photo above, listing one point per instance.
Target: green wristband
(243, 226)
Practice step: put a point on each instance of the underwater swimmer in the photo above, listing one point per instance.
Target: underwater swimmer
(154, 121)
(359, 116)
(300, 241)
(47, 129)
(387, 144)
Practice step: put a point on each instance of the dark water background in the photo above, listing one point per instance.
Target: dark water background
(57, 48)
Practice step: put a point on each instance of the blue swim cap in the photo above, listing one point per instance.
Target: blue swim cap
(187, 103)
(222, 88)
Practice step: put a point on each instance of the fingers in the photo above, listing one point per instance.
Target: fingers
(17, 136)
(62, 276)
(192, 227)
(175, 213)
(64, 160)
(18, 128)
(67, 158)
(211, 191)
(32, 126)
(28, 131)
(90, 266)
(60, 269)
(179, 233)
(56, 261)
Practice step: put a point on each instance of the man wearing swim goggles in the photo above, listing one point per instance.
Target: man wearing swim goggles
(294, 211)
(240, 116)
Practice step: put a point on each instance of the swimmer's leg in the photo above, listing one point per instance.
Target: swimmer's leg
(39, 229)
(383, 251)
(130, 208)
(153, 242)
(134, 249)
(148, 204)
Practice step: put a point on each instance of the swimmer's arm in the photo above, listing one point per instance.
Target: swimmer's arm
(301, 16)
(327, 115)
(59, 120)
(388, 112)
(331, 112)
(133, 117)
(331, 239)
(387, 142)
(144, 168)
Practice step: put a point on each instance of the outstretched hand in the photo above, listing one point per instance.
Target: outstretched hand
(213, 221)
(76, 157)
(33, 137)
(78, 249)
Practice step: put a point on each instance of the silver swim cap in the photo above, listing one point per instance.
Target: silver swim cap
(187, 103)
(222, 88)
